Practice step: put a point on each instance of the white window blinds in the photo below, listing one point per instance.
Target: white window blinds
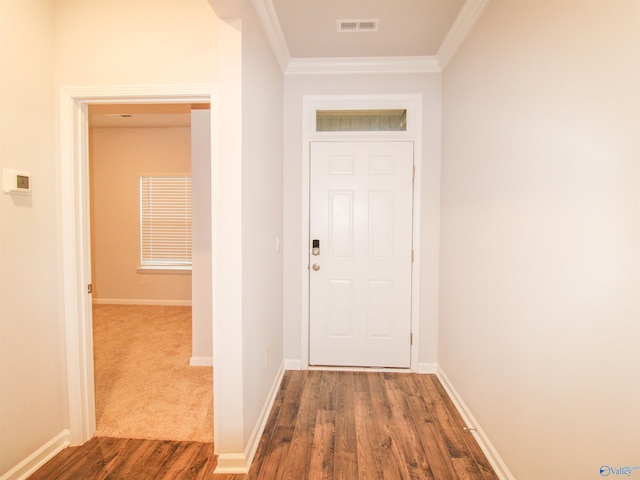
(165, 221)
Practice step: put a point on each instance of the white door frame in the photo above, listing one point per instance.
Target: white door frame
(76, 239)
(413, 104)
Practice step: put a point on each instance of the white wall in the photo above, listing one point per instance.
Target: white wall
(251, 139)
(539, 320)
(262, 144)
(227, 255)
(32, 371)
(117, 158)
(296, 86)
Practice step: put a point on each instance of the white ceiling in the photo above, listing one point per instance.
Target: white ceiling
(406, 27)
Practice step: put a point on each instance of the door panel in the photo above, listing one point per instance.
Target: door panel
(340, 224)
(361, 196)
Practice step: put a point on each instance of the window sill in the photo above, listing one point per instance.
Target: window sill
(165, 270)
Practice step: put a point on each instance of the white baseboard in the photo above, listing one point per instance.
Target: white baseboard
(232, 464)
(38, 458)
(427, 368)
(201, 362)
(485, 444)
(141, 301)
(292, 364)
(235, 463)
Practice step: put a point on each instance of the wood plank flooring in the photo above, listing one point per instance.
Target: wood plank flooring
(361, 425)
(103, 458)
(323, 425)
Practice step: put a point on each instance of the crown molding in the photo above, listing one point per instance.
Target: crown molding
(269, 19)
(351, 65)
(469, 14)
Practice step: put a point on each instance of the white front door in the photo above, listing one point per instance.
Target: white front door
(361, 208)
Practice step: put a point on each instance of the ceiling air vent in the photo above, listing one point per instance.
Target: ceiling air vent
(358, 25)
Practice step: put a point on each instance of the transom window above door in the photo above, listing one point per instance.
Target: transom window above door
(361, 120)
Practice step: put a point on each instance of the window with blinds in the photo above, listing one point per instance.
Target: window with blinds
(165, 221)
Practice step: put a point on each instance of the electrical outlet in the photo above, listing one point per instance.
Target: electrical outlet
(266, 356)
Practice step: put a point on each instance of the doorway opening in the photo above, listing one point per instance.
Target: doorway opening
(151, 342)
(76, 252)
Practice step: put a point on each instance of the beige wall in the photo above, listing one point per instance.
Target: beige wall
(133, 42)
(45, 45)
(32, 370)
(539, 320)
(118, 156)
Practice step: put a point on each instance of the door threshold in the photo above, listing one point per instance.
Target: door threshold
(359, 369)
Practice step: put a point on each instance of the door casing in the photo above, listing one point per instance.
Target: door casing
(76, 255)
(413, 104)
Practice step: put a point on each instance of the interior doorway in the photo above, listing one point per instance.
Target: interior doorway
(76, 253)
(152, 353)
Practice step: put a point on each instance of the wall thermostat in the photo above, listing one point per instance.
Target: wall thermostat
(16, 182)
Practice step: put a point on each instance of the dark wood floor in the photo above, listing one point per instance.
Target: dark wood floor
(324, 424)
(122, 458)
(352, 425)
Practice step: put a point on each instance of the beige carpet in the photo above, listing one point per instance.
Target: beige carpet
(144, 385)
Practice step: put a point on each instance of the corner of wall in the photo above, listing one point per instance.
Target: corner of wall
(238, 463)
(481, 437)
(38, 458)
